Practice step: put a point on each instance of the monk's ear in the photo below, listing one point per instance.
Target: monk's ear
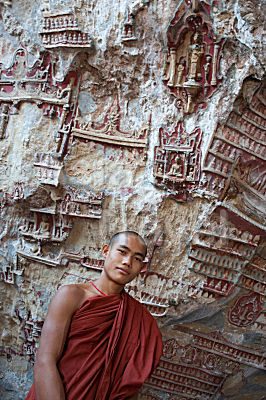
(144, 267)
(105, 250)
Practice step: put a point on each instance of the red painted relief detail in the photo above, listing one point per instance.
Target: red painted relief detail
(245, 310)
(177, 162)
(192, 60)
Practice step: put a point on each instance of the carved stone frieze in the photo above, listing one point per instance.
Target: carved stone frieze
(177, 162)
(191, 70)
(62, 29)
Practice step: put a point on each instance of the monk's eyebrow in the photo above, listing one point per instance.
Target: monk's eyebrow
(127, 248)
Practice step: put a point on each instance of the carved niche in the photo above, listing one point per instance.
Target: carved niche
(109, 133)
(48, 167)
(223, 250)
(192, 59)
(177, 162)
(61, 29)
(37, 84)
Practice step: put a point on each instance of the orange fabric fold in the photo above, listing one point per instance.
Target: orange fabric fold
(112, 346)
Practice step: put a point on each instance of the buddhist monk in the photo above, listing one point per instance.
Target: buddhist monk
(97, 342)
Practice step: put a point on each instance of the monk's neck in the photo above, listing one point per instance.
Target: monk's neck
(107, 286)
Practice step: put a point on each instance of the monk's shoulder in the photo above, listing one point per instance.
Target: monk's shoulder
(71, 294)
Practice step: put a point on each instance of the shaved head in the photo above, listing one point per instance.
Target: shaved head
(115, 237)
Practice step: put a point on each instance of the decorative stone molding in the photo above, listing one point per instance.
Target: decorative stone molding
(48, 168)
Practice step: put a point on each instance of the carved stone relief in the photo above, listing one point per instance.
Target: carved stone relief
(234, 164)
(62, 30)
(109, 132)
(177, 162)
(191, 69)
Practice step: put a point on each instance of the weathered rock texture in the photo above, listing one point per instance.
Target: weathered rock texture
(143, 115)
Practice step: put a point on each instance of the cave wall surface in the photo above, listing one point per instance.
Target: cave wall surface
(146, 115)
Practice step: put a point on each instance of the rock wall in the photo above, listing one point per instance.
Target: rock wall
(146, 115)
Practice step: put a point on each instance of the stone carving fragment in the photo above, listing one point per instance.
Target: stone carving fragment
(177, 162)
(192, 59)
(61, 29)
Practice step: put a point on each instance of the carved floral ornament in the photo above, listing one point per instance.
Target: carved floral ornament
(192, 58)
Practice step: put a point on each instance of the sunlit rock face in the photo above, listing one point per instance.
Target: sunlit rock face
(147, 116)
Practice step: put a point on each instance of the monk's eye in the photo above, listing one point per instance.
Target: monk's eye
(121, 251)
(138, 259)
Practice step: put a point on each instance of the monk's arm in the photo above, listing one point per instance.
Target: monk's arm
(47, 381)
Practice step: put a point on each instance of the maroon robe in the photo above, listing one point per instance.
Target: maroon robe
(112, 346)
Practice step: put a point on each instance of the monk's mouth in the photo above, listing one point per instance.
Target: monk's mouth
(123, 271)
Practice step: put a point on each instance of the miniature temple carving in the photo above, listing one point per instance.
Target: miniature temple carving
(48, 168)
(177, 162)
(192, 59)
(128, 34)
(109, 133)
(52, 226)
(37, 84)
(61, 29)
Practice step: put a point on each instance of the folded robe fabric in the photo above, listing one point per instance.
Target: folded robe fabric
(112, 346)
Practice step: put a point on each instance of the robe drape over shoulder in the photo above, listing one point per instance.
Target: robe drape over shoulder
(112, 346)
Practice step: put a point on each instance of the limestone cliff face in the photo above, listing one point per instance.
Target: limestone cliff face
(143, 115)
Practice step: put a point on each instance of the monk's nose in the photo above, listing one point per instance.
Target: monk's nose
(127, 260)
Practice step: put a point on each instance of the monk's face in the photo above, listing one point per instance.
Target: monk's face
(124, 260)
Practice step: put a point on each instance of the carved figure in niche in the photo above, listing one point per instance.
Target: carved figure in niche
(44, 229)
(103, 372)
(195, 52)
(180, 73)
(176, 168)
